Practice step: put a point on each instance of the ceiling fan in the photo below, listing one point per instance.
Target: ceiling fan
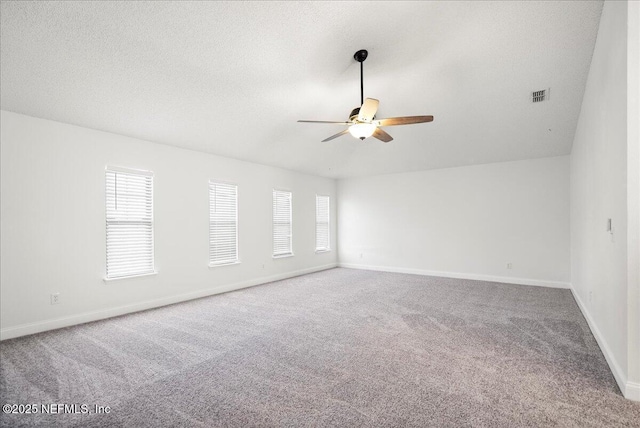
(362, 123)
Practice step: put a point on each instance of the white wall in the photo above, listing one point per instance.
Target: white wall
(53, 224)
(599, 191)
(466, 222)
(633, 193)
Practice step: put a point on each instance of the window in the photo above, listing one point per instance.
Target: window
(223, 223)
(322, 223)
(282, 242)
(129, 206)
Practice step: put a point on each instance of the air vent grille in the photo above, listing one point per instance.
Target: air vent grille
(539, 96)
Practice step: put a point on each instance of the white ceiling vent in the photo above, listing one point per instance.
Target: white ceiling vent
(539, 96)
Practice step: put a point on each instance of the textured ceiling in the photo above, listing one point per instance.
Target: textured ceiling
(232, 78)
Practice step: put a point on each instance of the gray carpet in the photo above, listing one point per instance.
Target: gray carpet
(341, 347)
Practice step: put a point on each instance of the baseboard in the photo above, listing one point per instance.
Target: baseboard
(38, 327)
(479, 277)
(630, 390)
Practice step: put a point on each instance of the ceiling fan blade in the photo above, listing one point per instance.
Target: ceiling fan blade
(406, 120)
(325, 121)
(368, 110)
(381, 135)
(346, 131)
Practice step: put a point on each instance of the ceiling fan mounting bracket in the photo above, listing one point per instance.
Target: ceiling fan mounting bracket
(361, 55)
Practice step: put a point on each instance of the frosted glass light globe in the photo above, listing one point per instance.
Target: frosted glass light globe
(362, 130)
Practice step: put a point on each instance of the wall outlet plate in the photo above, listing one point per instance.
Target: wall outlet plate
(55, 298)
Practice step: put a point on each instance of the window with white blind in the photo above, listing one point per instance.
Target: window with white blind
(129, 208)
(282, 228)
(223, 223)
(322, 223)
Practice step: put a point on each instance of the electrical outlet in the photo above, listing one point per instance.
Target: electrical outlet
(262, 265)
(509, 265)
(360, 255)
(590, 296)
(55, 298)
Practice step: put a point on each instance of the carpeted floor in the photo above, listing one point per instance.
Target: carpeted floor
(342, 347)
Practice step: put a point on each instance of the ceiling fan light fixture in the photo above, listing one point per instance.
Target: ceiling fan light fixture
(362, 130)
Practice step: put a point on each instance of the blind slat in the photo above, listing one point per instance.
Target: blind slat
(129, 217)
(322, 223)
(282, 229)
(223, 223)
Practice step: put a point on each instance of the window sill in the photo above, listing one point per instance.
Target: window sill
(282, 256)
(328, 250)
(215, 265)
(130, 276)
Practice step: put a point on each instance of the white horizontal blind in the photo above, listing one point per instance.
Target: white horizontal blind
(322, 223)
(282, 231)
(129, 200)
(223, 223)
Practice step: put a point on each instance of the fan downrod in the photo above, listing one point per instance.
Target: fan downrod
(360, 56)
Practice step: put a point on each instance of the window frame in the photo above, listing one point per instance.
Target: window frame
(141, 173)
(273, 224)
(328, 222)
(237, 238)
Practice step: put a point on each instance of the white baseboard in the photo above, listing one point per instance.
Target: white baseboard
(630, 390)
(479, 277)
(38, 327)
